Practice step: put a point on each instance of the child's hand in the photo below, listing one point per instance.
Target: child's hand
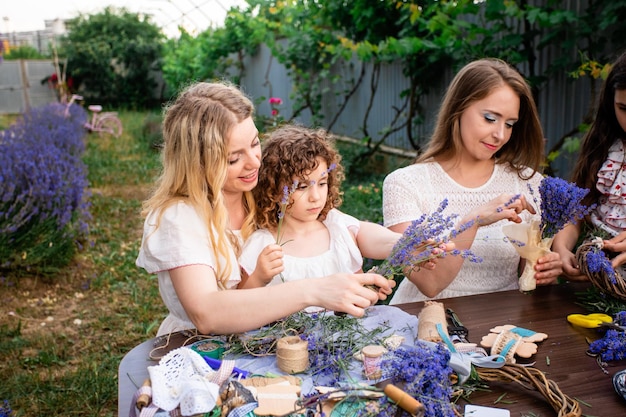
(269, 264)
(548, 268)
(617, 243)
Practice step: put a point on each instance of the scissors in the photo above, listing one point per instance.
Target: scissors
(594, 321)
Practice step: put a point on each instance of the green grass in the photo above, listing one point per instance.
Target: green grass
(58, 367)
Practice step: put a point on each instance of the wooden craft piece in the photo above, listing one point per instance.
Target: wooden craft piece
(527, 335)
(277, 399)
(431, 315)
(508, 344)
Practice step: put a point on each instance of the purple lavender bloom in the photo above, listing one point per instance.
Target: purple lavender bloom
(597, 262)
(5, 409)
(421, 238)
(424, 372)
(611, 347)
(560, 205)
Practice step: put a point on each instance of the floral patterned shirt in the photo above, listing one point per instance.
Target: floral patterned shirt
(610, 214)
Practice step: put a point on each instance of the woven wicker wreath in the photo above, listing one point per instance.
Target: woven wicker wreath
(601, 280)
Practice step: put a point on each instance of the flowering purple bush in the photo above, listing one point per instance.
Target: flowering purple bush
(5, 409)
(43, 211)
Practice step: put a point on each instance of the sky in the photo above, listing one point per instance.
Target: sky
(194, 15)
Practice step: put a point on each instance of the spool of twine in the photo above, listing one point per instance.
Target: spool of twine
(372, 355)
(292, 354)
(145, 395)
(432, 314)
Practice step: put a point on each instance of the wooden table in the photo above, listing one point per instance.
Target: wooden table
(562, 356)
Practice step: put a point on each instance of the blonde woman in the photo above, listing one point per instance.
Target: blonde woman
(200, 211)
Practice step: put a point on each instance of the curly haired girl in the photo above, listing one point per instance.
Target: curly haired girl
(297, 199)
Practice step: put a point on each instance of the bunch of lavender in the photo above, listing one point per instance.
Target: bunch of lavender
(420, 242)
(43, 210)
(332, 344)
(598, 263)
(560, 205)
(611, 347)
(423, 372)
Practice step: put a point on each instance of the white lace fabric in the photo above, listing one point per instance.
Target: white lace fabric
(419, 189)
(182, 378)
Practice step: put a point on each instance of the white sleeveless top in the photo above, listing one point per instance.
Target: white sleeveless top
(342, 255)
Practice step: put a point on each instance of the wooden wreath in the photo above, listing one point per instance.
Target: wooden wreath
(534, 379)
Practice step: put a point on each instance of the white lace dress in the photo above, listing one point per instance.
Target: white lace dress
(419, 188)
(181, 239)
(342, 255)
(610, 214)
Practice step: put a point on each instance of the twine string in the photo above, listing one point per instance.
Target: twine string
(292, 354)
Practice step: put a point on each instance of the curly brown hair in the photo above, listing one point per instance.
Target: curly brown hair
(290, 153)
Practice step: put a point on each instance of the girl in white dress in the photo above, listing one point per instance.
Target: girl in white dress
(297, 200)
(601, 168)
(486, 149)
(200, 209)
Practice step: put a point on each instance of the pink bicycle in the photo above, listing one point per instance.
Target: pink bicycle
(101, 122)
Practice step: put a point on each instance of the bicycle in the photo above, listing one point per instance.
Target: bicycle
(101, 122)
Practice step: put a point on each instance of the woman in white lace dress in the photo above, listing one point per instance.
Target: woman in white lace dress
(200, 209)
(485, 151)
(601, 168)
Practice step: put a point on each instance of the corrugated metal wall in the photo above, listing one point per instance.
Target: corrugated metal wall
(562, 102)
(20, 85)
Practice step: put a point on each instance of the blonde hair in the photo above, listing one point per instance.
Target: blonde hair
(196, 128)
(474, 82)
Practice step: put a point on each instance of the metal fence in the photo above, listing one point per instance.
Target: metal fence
(562, 101)
(21, 85)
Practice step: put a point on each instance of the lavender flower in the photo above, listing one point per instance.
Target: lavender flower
(43, 208)
(611, 347)
(5, 409)
(424, 373)
(420, 241)
(560, 205)
(597, 262)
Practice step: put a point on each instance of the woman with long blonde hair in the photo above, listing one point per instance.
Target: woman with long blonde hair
(201, 210)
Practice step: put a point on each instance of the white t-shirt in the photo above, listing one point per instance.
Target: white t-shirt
(342, 255)
(420, 188)
(181, 239)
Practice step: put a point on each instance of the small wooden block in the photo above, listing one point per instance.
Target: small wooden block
(277, 399)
